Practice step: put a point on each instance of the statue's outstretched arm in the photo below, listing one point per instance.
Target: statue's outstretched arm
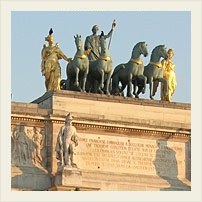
(110, 32)
(62, 55)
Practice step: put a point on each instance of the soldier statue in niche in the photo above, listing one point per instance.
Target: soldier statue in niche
(67, 140)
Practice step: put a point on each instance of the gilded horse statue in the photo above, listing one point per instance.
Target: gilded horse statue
(100, 70)
(131, 72)
(154, 71)
(77, 70)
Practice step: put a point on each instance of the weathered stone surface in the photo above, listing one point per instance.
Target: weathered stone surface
(68, 177)
(29, 178)
(119, 109)
(124, 143)
(113, 181)
(131, 155)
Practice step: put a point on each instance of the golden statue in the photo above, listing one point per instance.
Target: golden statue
(169, 75)
(50, 66)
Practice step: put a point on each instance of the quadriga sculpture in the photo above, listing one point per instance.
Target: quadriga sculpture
(154, 71)
(131, 72)
(77, 70)
(100, 70)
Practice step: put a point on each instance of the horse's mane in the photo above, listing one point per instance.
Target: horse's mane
(157, 48)
(139, 43)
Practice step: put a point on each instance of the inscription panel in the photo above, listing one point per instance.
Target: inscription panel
(130, 155)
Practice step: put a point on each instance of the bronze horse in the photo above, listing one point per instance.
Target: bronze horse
(77, 70)
(100, 70)
(131, 72)
(154, 71)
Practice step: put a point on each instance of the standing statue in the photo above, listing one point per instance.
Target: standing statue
(92, 42)
(169, 75)
(66, 142)
(50, 66)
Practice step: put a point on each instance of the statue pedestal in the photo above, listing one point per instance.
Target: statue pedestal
(69, 177)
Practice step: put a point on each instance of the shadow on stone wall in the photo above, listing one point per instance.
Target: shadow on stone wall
(28, 158)
(166, 167)
(30, 178)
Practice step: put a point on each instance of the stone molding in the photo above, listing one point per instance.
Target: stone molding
(109, 127)
(112, 98)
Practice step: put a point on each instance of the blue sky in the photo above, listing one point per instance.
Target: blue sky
(29, 29)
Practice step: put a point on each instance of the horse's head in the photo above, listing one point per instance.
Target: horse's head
(161, 51)
(140, 48)
(103, 45)
(143, 49)
(78, 42)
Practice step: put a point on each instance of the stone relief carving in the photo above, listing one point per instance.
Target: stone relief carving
(27, 145)
(38, 140)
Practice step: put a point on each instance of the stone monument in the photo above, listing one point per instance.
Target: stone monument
(77, 141)
(123, 143)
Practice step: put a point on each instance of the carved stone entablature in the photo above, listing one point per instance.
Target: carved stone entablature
(124, 128)
(29, 120)
(141, 133)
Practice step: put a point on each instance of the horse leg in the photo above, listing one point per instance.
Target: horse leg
(89, 83)
(108, 82)
(142, 80)
(129, 85)
(135, 83)
(115, 82)
(121, 89)
(150, 88)
(95, 86)
(76, 83)
(71, 85)
(101, 85)
(84, 81)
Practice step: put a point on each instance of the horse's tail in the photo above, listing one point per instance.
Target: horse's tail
(117, 69)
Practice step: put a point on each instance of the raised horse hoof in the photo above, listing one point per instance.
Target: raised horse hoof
(76, 84)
